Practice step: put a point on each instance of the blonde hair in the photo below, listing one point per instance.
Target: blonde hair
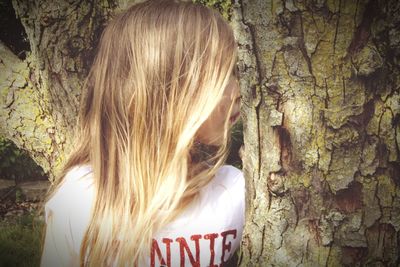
(161, 69)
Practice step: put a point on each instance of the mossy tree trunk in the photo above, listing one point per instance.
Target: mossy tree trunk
(320, 90)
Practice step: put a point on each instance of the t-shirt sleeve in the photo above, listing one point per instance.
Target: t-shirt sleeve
(67, 215)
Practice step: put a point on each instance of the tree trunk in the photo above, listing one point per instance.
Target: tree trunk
(320, 90)
(40, 95)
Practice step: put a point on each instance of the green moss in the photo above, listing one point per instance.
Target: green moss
(224, 7)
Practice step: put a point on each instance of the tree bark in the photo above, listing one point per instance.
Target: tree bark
(320, 86)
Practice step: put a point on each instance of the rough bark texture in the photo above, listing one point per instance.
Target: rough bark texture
(40, 95)
(320, 90)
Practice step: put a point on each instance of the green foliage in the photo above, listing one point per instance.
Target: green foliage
(223, 6)
(17, 164)
(20, 242)
(18, 196)
(236, 143)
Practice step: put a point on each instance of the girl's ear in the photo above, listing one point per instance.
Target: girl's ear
(241, 152)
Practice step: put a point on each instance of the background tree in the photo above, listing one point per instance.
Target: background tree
(320, 86)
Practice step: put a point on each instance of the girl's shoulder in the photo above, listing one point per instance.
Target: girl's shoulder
(77, 186)
(229, 176)
(228, 185)
(227, 188)
(73, 195)
(67, 212)
(222, 199)
(79, 174)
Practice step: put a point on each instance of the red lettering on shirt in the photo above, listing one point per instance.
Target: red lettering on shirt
(226, 246)
(212, 238)
(184, 246)
(156, 249)
(187, 253)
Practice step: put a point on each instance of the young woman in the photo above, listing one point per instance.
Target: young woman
(138, 190)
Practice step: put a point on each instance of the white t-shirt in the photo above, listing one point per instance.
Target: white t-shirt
(207, 233)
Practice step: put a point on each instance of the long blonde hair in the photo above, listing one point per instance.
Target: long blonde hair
(161, 69)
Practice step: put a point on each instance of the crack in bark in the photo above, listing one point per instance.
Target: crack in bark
(355, 14)
(295, 210)
(256, 88)
(362, 32)
(282, 233)
(378, 200)
(259, 140)
(344, 90)
(327, 98)
(337, 27)
(262, 242)
(303, 49)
